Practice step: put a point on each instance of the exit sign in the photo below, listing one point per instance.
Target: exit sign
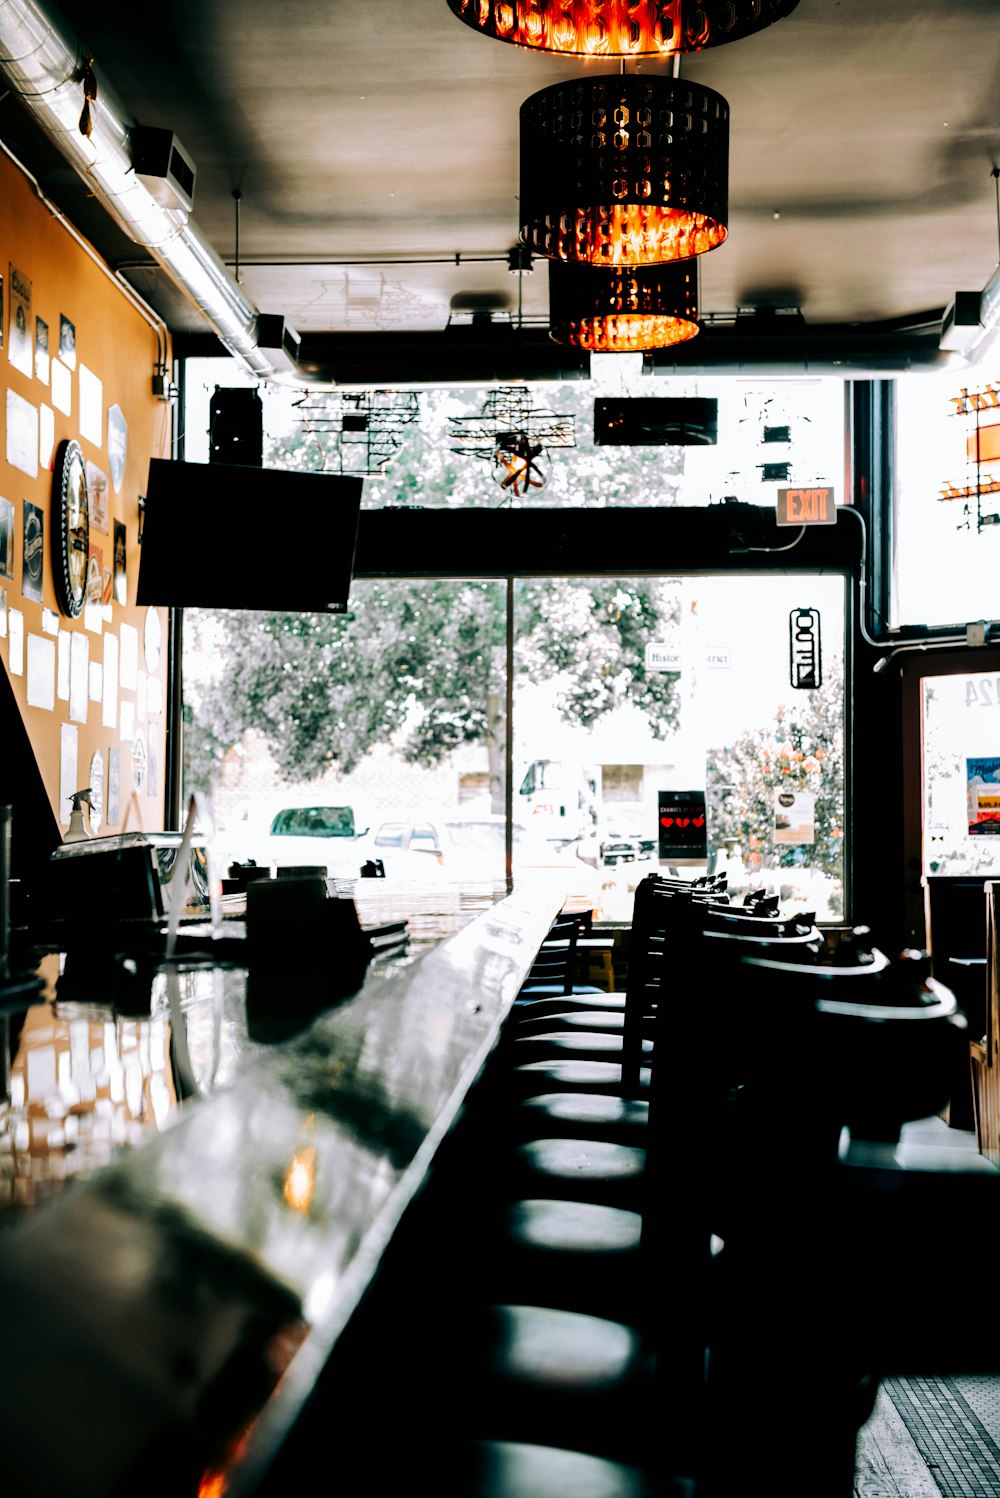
(806, 507)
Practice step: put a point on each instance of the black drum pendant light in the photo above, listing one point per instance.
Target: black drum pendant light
(620, 28)
(624, 169)
(623, 309)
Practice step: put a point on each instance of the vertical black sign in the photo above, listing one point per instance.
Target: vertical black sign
(683, 828)
(804, 651)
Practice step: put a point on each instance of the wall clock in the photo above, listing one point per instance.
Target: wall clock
(70, 527)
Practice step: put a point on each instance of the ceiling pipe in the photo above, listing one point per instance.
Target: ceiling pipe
(764, 345)
(359, 360)
(43, 66)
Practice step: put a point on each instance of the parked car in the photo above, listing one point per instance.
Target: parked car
(620, 849)
(415, 849)
(454, 847)
(627, 832)
(478, 851)
(313, 834)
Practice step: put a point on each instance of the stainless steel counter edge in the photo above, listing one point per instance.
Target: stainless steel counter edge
(190, 1293)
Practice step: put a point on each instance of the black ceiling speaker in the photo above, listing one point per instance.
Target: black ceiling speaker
(656, 421)
(236, 426)
(225, 536)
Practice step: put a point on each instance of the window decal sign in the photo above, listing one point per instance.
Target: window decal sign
(683, 831)
(982, 779)
(794, 817)
(805, 651)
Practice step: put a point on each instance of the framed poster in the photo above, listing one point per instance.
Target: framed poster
(117, 446)
(683, 830)
(114, 785)
(6, 538)
(32, 551)
(139, 762)
(41, 351)
(982, 781)
(121, 574)
(794, 817)
(95, 574)
(96, 782)
(67, 341)
(21, 353)
(97, 497)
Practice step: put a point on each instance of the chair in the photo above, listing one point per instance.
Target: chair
(576, 1042)
(615, 1264)
(807, 1308)
(555, 971)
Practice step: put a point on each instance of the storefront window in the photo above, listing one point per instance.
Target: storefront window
(961, 774)
(682, 685)
(384, 732)
(393, 717)
(545, 443)
(948, 496)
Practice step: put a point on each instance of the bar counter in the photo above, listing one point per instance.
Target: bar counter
(167, 1308)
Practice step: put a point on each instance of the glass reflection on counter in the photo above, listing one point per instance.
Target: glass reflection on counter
(82, 1086)
(83, 1082)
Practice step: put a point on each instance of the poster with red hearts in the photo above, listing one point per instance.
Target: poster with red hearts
(683, 827)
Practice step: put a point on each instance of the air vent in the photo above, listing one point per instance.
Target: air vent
(164, 167)
(279, 341)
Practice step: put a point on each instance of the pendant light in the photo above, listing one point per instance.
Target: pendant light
(623, 309)
(624, 169)
(619, 28)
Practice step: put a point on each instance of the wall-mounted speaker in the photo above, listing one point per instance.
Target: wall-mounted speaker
(236, 426)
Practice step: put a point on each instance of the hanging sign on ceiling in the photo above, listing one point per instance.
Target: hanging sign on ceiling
(805, 652)
(816, 506)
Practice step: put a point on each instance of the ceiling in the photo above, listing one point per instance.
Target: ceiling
(374, 146)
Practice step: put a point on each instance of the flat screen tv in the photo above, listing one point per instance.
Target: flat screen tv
(656, 421)
(228, 536)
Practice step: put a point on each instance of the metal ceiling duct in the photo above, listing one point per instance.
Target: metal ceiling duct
(772, 344)
(42, 65)
(750, 348)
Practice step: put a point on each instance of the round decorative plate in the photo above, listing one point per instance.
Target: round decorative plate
(70, 527)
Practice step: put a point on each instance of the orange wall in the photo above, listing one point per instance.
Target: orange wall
(115, 342)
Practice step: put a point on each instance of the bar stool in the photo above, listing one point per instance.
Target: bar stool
(799, 1283)
(575, 1052)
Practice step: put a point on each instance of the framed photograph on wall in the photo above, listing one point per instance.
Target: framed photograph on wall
(97, 495)
(41, 351)
(21, 353)
(67, 341)
(33, 552)
(121, 574)
(6, 538)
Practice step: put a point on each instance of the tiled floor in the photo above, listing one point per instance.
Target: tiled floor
(932, 1437)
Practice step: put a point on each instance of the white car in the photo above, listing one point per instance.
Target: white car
(470, 849)
(313, 835)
